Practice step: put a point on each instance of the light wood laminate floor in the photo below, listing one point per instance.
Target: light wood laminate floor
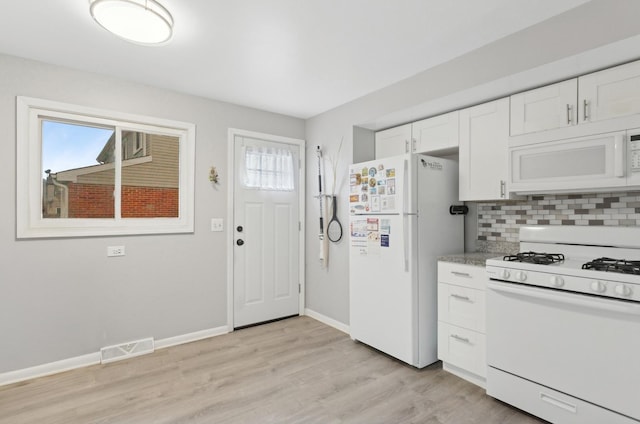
(292, 371)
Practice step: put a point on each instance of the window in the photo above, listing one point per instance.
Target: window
(89, 172)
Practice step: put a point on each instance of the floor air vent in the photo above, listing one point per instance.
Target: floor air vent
(126, 350)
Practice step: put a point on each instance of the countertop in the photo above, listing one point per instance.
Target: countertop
(470, 258)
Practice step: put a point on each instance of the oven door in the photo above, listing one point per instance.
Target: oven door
(584, 346)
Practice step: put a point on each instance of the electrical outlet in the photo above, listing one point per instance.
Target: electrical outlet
(217, 224)
(115, 251)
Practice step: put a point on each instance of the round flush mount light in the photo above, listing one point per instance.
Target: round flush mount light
(139, 21)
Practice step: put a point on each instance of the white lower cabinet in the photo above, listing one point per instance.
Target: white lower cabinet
(461, 320)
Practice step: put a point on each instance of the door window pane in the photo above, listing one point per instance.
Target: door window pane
(268, 168)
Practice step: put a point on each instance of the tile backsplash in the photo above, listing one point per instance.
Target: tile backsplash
(500, 221)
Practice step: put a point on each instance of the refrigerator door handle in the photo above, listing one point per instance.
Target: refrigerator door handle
(405, 215)
(405, 186)
(405, 230)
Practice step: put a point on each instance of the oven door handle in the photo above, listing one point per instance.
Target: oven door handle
(567, 298)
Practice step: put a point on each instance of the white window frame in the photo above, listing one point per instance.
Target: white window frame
(29, 220)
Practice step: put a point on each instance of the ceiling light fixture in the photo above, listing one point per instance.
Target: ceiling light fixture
(139, 21)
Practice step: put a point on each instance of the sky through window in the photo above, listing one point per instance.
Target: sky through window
(70, 146)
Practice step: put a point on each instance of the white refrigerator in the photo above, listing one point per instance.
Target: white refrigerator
(400, 223)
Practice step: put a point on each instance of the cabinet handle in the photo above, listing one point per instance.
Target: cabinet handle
(557, 402)
(406, 146)
(457, 296)
(460, 274)
(618, 152)
(460, 338)
(569, 114)
(585, 105)
(413, 145)
(503, 188)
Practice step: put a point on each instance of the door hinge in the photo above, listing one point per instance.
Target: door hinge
(299, 226)
(299, 288)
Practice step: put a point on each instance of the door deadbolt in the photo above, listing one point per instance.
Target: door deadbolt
(239, 228)
(240, 242)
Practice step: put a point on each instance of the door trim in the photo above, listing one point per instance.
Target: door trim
(233, 132)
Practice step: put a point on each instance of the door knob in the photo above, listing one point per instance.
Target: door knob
(239, 228)
(240, 242)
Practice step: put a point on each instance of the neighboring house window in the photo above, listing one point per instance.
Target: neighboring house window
(88, 172)
(268, 168)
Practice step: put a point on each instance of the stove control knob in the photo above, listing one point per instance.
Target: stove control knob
(505, 274)
(557, 281)
(521, 276)
(598, 286)
(623, 290)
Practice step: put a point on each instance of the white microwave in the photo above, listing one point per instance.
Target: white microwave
(594, 163)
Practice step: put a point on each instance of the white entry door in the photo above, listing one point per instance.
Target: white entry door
(266, 230)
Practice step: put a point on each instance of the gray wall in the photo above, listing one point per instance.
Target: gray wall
(62, 298)
(598, 34)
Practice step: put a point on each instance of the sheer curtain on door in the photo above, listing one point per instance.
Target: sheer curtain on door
(268, 168)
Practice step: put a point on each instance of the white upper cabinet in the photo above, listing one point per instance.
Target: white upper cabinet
(597, 97)
(394, 141)
(611, 93)
(545, 108)
(483, 155)
(437, 133)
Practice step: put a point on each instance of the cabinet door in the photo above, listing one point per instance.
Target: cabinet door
(394, 141)
(545, 108)
(611, 93)
(484, 133)
(437, 133)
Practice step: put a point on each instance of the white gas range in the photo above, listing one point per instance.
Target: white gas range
(563, 324)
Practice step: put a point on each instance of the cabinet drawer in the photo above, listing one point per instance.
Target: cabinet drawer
(463, 348)
(461, 306)
(471, 276)
(548, 404)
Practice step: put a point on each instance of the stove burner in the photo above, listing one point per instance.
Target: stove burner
(614, 265)
(535, 258)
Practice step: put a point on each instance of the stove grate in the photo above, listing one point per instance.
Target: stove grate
(614, 265)
(535, 258)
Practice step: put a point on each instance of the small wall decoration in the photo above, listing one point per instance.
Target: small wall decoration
(213, 175)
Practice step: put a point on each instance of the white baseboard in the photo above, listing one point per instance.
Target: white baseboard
(191, 337)
(43, 370)
(326, 320)
(50, 368)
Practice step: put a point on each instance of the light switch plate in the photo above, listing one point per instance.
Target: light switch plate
(217, 224)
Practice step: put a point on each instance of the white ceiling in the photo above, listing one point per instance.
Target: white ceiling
(296, 57)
